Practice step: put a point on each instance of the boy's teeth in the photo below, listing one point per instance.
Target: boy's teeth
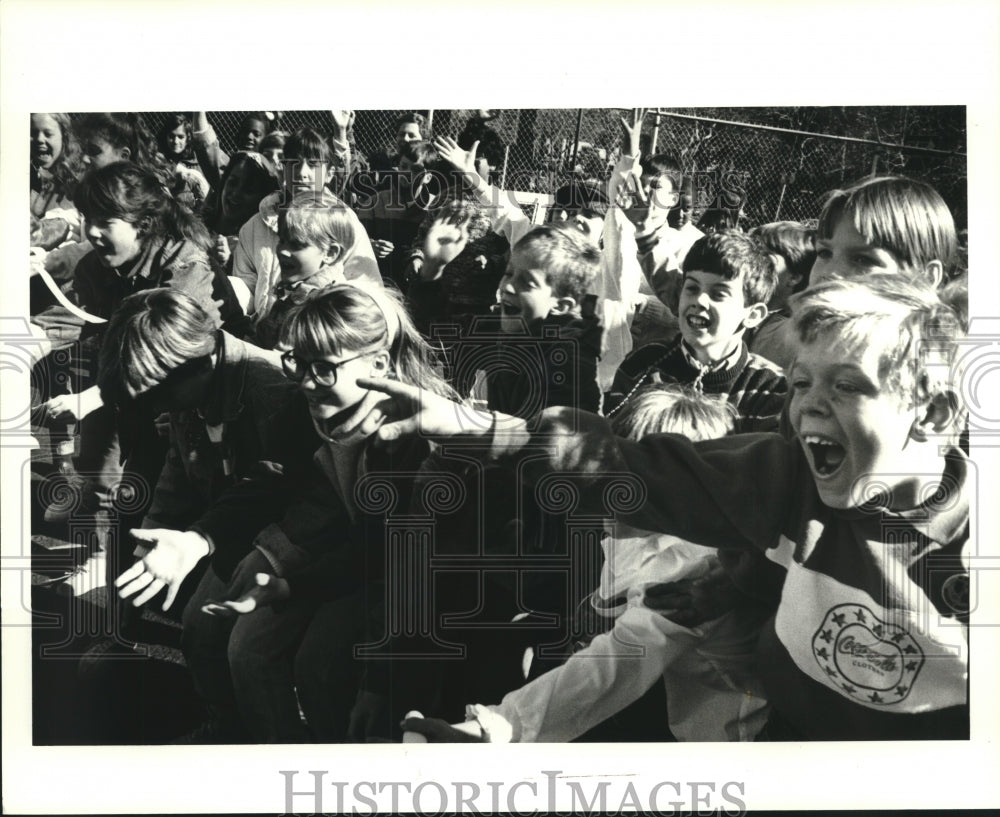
(827, 455)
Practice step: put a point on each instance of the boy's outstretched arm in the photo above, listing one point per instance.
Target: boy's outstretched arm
(732, 492)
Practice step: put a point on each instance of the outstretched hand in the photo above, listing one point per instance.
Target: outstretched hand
(166, 557)
(412, 410)
(267, 590)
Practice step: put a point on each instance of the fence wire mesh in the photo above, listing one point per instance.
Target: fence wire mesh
(777, 174)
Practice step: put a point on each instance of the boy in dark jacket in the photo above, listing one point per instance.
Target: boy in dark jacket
(728, 280)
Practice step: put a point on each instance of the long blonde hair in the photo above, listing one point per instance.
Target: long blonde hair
(352, 317)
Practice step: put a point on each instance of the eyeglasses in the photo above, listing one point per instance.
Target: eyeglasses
(323, 372)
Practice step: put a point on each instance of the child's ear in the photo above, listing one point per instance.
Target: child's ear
(755, 315)
(381, 364)
(935, 273)
(937, 416)
(564, 305)
(333, 253)
(125, 154)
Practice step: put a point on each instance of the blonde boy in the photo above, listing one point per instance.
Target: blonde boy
(865, 506)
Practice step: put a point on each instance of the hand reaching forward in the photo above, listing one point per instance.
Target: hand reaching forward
(165, 559)
(267, 590)
(412, 410)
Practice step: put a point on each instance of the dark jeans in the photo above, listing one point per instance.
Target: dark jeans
(255, 664)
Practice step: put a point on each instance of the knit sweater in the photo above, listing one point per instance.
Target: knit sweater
(753, 385)
(870, 638)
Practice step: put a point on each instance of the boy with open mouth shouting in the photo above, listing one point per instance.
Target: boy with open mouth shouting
(865, 506)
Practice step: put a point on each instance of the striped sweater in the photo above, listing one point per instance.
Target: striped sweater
(754, 386)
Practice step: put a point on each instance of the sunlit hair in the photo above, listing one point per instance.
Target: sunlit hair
(794, 242)
(171, 124)
(731, 254)
(150, 334)
(569, 260)
(659, 408)
(318, 220)
(343, 319)
(916, 335)
(134, 194)
(904, 217)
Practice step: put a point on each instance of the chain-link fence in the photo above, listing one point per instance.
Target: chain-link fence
(763, 163)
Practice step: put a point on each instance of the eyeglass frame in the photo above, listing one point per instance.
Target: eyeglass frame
(309, 367)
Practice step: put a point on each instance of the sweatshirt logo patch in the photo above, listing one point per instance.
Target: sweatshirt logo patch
(865, 658)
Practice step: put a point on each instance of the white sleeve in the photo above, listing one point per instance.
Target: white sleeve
(506, 217)
(616, 669)
(243, 263)
(617, 289)
(360, 260)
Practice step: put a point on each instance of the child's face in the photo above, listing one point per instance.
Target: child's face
(328, 404)
(409, 172)
(848, 254)
(661, 195)
(98, 152)
(855, 431)
(408, 132)
(46, 140)
(310, 176)
(713, 314)
(253, 132)
(240, 198)
(525, 294)
(177, 140)
(590, 226)
(115, 241)
(304, 265)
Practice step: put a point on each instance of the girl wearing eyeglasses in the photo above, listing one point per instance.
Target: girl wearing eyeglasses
(284, 627)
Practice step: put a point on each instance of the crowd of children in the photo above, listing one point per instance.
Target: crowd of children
(397, 447)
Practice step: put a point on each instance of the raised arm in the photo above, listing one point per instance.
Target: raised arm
(211, 157)
(506, 218)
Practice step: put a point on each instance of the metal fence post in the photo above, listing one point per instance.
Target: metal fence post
(576, 138)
